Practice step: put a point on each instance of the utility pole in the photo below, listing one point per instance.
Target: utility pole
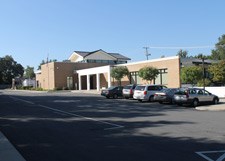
(202, 57)
(146, 52)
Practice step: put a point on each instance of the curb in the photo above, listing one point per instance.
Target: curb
(8, 151)
(218, 107)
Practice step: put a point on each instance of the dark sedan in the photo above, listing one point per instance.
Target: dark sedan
(165, 95)
(113, 91)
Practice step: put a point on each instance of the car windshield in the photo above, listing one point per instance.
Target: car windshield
(181, 92)
(112, 87)
(165, 90)
(141, 88)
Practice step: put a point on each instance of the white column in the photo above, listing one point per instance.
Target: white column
(79, 81)
(88, 82)
(109, 77)
(98, 81)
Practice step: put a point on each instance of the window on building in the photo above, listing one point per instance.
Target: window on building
(134, 78)
(162, 78)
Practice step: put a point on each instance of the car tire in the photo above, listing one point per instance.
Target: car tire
(139, 100)
(172, 102)
(115, 96)
(215, 101)
(151, 99)
(179, 104)
(107, 97)
(195, 103)
(160, 102)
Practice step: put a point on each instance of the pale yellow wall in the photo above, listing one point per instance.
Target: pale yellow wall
(75, 58)
(46, 78)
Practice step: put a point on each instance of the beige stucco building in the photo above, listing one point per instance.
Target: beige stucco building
(92, 71)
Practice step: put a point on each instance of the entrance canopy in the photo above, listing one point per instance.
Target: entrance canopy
(94, 71)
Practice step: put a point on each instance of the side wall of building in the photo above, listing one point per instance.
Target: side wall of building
(171, 67)
(56, 74)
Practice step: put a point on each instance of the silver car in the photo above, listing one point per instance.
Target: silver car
(146, 92)
(194, 96)
(165, 95)
(128, 91)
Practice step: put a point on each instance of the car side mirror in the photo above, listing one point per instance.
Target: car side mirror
(210, 93)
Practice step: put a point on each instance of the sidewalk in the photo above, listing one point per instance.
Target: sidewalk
(86, 91)
(7, 150)
(218, 107)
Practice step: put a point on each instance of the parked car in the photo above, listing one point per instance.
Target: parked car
(194, 96)
(146, 92)
(113, 91)
(165, 95)
(128, 91)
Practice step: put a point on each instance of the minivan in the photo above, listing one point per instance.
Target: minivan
(146, 92)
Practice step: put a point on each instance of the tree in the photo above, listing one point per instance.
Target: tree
(148, 73)
(218, 72)
(219, 52)
(182, 53)
(29, 72)
(9, 69)
(191, 75)
(44, 62)
(119, 72)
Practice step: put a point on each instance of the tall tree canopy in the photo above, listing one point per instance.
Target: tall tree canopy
(182, 53)
(148, 73)
(219, 52)
(119, 72)
(218, 72)
(9, 69)
(191, 75)
(29, 72)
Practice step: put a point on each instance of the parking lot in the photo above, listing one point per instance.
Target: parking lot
(65, 126)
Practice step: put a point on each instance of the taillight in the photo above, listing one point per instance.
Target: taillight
(131, 91)
(145, 92)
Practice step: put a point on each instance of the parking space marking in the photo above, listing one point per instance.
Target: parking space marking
(65, 101)
(203, 154)
(22, 100)
(115, 126)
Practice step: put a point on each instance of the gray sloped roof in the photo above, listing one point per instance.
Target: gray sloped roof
(82, 53)
(119, 56)
(115, 55)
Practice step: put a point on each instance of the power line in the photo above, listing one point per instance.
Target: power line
(181, 47)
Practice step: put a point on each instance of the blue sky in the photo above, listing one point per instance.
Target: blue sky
(32, 29)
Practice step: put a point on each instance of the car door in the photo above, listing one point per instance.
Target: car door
(120, 91)
(207, 96)
(200, 95)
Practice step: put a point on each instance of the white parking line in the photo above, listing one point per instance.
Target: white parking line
(87, 118)
(115, 126)
(22, 100)
(203, 154)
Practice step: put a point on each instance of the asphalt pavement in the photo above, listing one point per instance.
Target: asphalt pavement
(68, 126)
